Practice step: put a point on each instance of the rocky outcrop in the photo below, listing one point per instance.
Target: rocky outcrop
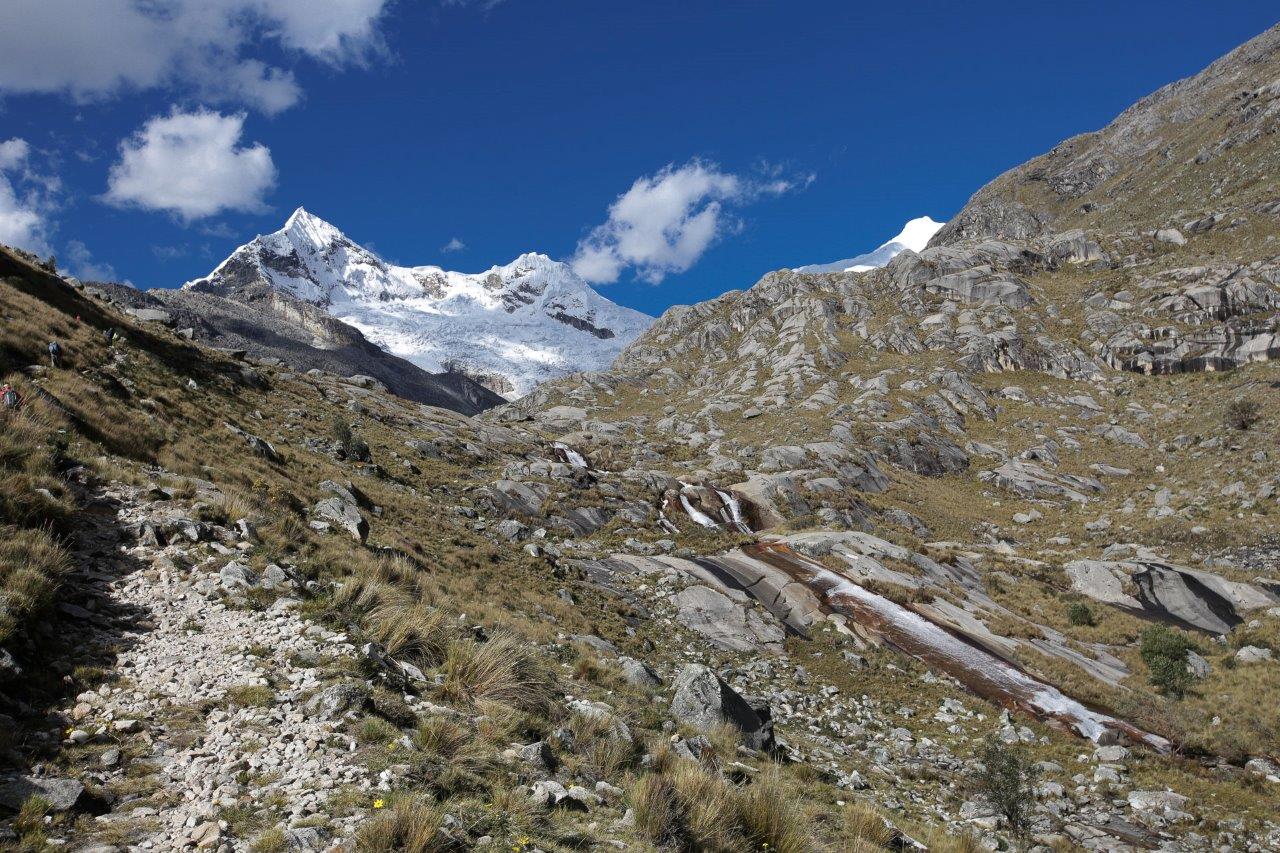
(1195, 599)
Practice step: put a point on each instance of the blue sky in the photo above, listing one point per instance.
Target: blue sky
(763, 134)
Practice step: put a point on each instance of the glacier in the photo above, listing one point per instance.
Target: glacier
(509, 327)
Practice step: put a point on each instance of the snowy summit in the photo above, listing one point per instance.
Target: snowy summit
(915, 235)
(509, 327)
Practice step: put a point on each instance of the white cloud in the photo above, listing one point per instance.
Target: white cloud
(25, 199)
(79, 261)
(95, 49)
(13, 153)
(454, 245)
(666, 221)
(191, 164)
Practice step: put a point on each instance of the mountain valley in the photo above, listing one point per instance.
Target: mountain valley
(968, 543)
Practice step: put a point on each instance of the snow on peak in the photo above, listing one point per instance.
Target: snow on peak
(511, 326)
(915, 235)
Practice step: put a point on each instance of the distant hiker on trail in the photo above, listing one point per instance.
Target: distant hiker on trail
(10, 400)
(110, 335)
(55, 353)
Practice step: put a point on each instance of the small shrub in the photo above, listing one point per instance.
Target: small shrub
(1242, 414)
(1006, 782)
(1079, 614)
(1164, 651)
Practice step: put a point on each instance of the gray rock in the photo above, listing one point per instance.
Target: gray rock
(345, 515)
(337, 699)
(62, 794)
(638, 673)
(1253, 654)
(727, 624)
(703, 700)
(236, 576)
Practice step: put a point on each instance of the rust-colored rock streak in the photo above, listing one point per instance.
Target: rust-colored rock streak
(978, 670)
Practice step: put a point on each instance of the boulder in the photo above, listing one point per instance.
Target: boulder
(703, 700)
(337, 699)
(638, 673)
(345, 515)
(236, 576)
(63, 794)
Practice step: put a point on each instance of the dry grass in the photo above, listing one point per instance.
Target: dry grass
(690, 806)
(771, 816)
(415, 632)
(863, 829)
(31, 563)
(442, 737)
(505, 669)
(409, 826)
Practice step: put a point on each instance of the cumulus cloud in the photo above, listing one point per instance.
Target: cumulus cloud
(25, 199)
(191, 164)
(96, 49)
(666, 221)
(454, 245)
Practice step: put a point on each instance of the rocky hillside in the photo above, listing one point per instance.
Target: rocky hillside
(1194, 150)
(509, 327)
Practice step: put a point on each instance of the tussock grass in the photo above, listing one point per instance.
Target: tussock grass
(442, 737)
(409, 826)
(863, 829)
(690, 806)
(504, 669)
(771, 816)
(31, 563)
(414, 631)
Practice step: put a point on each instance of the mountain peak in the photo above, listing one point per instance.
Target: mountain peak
(304, 226)
(915, 235)
(536, 321)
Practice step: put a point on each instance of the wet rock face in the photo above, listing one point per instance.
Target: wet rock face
(704, 701)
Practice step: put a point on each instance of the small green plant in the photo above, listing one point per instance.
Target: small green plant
(1007, 781)
(1164, 651)
(1079, 614)
(353, 446)
(1242, 414)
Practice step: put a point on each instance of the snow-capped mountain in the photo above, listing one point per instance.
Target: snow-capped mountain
(509, 327)
(915, 236)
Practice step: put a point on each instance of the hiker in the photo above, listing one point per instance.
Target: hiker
(110, 334)
(10, 400)
(55, 353)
